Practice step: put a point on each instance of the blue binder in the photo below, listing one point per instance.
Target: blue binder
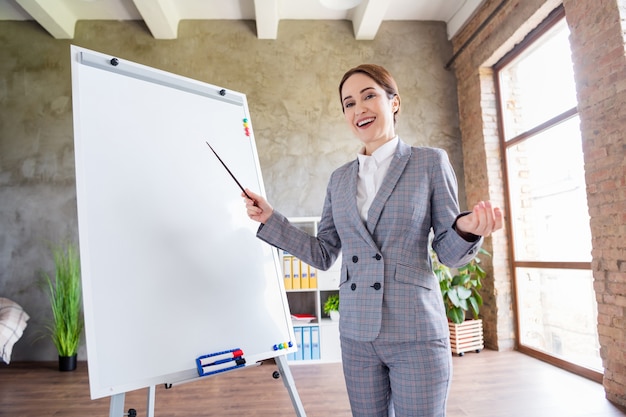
(315, 342)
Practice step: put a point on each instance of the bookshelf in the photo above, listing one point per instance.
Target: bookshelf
(307, 290)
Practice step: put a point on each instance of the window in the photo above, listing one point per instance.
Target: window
(551, 237)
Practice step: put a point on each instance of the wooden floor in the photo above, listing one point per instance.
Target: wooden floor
(487, 384)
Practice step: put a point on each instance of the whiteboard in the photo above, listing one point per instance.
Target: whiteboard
(171, 267)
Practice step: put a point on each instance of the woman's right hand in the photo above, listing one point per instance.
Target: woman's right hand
(258, 208)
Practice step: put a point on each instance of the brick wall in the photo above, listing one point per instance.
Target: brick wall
(598, 33)
(600, 68)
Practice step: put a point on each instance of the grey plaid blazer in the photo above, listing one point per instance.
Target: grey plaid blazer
(387, 288)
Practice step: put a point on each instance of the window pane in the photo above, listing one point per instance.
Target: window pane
(539, 84)
(558, 314)
(548, 196)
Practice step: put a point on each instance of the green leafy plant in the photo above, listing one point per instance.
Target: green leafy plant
(460, 287)
(332, 303)
(65, 300)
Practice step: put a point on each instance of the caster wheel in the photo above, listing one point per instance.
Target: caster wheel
(461, 354)
(276, 375)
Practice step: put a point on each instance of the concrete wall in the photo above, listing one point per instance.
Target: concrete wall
(291, 86)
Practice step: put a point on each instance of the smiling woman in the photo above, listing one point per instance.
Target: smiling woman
(379, 212)
(368, 93)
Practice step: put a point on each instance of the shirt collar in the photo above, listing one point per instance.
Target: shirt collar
(382, 153)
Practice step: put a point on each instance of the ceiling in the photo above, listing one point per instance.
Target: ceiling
(59, 17)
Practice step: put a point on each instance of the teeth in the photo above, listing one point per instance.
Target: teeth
(363, 122)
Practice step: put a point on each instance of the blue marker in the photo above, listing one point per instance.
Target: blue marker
(219, 357)
(222, 366)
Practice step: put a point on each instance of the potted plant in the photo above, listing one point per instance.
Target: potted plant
(64, 292)
(460, 291)
(331, 306)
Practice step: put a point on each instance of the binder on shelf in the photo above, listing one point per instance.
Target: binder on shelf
(315, 342)
(287, 271)
(304, 275)
(295, 273)
(297, 336)
(312, 277)
(292, 356)
(297, 331)
(306, 343)
(302, 318)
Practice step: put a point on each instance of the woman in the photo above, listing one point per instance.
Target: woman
(379, 211)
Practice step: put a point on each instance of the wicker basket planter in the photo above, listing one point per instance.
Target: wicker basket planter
(466, 337)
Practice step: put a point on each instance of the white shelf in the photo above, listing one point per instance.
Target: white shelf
(311, 301)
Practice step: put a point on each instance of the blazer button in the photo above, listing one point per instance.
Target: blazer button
(378, 257)
(353, 286)
(376, 286)
(355, 259)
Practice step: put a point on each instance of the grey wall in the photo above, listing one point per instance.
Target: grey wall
(291, 86)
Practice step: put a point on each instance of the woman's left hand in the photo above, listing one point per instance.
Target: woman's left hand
(482, 221)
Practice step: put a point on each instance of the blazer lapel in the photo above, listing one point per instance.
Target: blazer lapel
(351, 206)
(400, 159)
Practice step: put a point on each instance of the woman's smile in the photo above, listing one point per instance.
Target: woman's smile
(369, 111)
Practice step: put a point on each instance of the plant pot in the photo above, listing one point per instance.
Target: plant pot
(466, 337)
(67, 363)
(334, 315)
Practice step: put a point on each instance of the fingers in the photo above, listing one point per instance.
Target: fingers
(249, 197)
(483, 220)
(499, 217)
(257, 207)
(488, 219)
(251, 201)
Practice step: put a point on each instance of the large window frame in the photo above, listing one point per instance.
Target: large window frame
(518, 263)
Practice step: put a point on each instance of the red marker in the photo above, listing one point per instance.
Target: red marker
(220, 357)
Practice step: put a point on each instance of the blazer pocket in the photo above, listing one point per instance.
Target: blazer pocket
(408, 274)
(344, 275)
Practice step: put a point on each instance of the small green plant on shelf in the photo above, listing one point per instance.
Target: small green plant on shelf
(331, 304)
(460, 287)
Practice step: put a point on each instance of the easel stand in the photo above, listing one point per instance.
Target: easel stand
(283, 368)
(116, 408)
(117, 401)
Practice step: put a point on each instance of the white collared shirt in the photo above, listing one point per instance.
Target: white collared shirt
(372, 171)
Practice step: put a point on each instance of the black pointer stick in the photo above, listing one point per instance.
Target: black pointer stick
(231, 174)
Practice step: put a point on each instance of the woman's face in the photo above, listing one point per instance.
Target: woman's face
(368, 111)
